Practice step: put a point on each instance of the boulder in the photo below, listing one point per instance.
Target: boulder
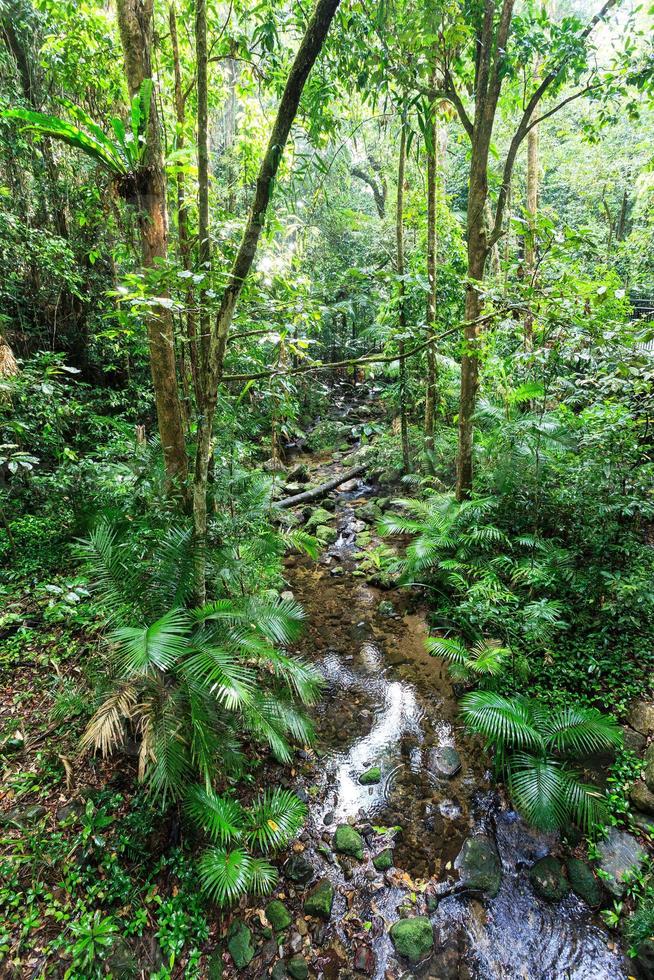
(239, 944)
(633, 740)
(298, 870)
(617, 856)
(371, 776)
(583, 882)
(320, 899)
(648, 774)
(445, 762)
(384, 860)
(413, 938)
(479, 865)
(645, 958)
(328, 535)
(642, 797)
(318, 516)
(278, 915)
(348, 841)
(548, 879)
(298, 968)
(641, 717)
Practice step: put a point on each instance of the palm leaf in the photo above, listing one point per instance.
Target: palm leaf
(539, 790)
(581, 731)
(223, 819)
(502, 721)
(159, 645)
(274, 819)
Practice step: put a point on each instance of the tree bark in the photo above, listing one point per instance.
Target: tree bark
(305, 58)
(204, 246)
(183, 237)
(135, 24)
(430, 397)
(399, 238)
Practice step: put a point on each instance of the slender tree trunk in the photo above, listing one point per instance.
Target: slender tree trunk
(184, 242)
(532, 213)
(204, 248)
(135, 23)
(430, 398)
(399, 236)
(304, 60)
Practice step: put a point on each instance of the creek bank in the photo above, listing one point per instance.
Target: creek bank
(389, 706)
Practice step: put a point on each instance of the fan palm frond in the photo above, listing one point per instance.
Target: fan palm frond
(223, 819)
(501, 720)
(160, 645)
(274, 819)
(580, 731)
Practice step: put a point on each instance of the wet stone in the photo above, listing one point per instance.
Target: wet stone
(328, 818)
(618, 855)
(298, 968)
(445, 761)
(371, 776)
(413, 938)
(583, 882)
(479, 866)
(641, 717)
(348, 841)
(320, 899)
(299, 870)
(239, 944)
(384, 860)
(364, 960)
(548, 879)
(648, 774)
(278, 915)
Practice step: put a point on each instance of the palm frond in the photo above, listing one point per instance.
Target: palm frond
(580, 731)
(105, 731)
(160, 645)
(224, 820)
(500, 719)
(274, 819)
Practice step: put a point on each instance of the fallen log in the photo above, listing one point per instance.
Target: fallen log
(320, 490)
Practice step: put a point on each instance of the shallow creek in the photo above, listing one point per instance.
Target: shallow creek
(387, 703)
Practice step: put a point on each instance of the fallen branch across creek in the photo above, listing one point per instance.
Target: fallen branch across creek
(320, 490)
(371, 359)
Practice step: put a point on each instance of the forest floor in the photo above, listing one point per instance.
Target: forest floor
(396, 793)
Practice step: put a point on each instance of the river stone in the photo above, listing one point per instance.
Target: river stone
(298, 968)
(371, 776)
(642, 797)
(445, 761)
(413, 938)
(328, 535)
(278, 915)
(239, 944)
(319, 516)
(645, 958)
(348, 841)
(479, 866)
(320, 899)
(279, 971)
(583, 882)
(641, 717)
(299, 870)
(633, 740)
(617, 855)
(384, 860)
(364, 960)
(548, 879)
(648, 774)
(386, 608)
(22, 816)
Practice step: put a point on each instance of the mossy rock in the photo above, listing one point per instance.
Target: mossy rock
(583, 882)
(371, 776)
(384, 860)
(320, 899)
(548, 879)
(239, 944)
(318, 516)
(298, 870)
(278, 915)
(348, 841)
(413, 938)
(298, 968)
(479, 865)
(327, 535)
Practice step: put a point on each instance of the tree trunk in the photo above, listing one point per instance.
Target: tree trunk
(430, 397)
(135, 23)
(399, 236)
(204, 247)
(184, 242)
(304, 60)
(530, 237)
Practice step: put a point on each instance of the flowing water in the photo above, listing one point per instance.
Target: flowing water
(388, 703)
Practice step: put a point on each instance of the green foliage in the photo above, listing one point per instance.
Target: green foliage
(121, 156)
(532, 745)
(192, 682)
